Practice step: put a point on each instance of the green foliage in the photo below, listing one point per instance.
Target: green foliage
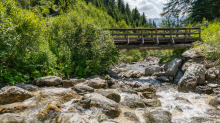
(210, 37)
(129, 56)
(32, 45)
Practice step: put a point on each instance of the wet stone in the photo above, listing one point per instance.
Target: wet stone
(204, 90)
(133, 101)
(131, 116)
(47, 81)
(111, 95)
(27, 87)
(11, 118)
(152, 102)
(83, 89)
(97, 83)
(11, 94)
(68, 83)
(158, 116)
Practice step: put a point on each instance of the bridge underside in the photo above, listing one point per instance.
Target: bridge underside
(154, 47)
(160, 43)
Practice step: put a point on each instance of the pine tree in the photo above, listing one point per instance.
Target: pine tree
(144, 20)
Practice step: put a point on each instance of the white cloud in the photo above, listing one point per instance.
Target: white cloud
(159, 1)
(152, 9)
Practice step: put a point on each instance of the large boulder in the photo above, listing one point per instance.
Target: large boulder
(173, 67)
(204, 90)
(131, 116)
(97, 83)
(150, 61)
(194, 75)
(215, 102)
(75, 118)
(48, 81)
(83, 89)
(146, 87)
(152, 102)
(192, 53)
(149, 70)
(133, 101)
(113, 74)
(179, 75)
(68, 83)
(111, 95)
(27, 87)
(11, 118)
(131, 74)
(163, 78)
(159, 116)
(211, 73)
(108, 106)
(58, 94)
(11, 94)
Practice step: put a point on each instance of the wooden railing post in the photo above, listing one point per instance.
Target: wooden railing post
(200, 33)
(177, 33)
(185, 35)
(164, 33)
(157, 40)
(127, 37)
(142, 37)
(112, 36)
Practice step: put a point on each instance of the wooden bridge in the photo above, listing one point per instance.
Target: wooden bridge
(155, 38)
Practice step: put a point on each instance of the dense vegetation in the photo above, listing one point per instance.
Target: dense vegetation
(36, 40)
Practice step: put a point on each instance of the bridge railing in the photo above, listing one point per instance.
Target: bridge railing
(154, 36)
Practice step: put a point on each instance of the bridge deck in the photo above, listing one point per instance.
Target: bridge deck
(155, 38)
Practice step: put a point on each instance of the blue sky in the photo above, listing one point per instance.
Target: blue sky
(151, 8)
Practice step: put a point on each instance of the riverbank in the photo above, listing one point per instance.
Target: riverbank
(183, 91)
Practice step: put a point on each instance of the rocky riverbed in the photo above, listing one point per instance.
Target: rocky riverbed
(186, 90)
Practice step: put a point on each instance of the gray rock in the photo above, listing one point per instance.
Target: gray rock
(215, 102)
(211, 73)
(97, 83)
(159, 116)
(146, 87)
(11, 94)
(204, 90)
(149, 95)
(152, 102)
(48, 81)
(127, 90)
(111, 95)
(150, 70)
(58, 94)
(192, 53)
(213, 85)
(171, 78)
(112, 74)
(178, 76)
(131, 116)
(83, 89)
(11, 118)
(183, 100)
(163, 78)
(173, 67)
(159, 74)
(75, 118)
(109, 107)
(133, 101)
(68, 83)
(194, 75)
(27, 87)
(131, 74)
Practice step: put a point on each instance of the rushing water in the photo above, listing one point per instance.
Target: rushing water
(182, 111)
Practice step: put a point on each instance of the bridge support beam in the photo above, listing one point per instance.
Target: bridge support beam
(151, 47)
